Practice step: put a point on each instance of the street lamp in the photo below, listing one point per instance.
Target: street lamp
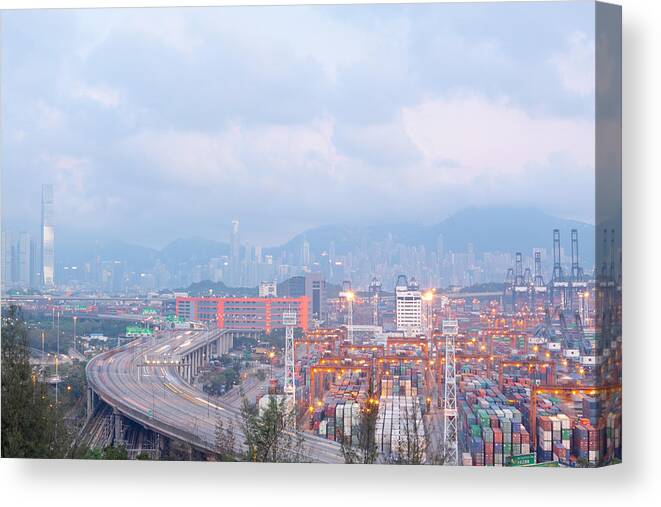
(75, 318)
(271, 356)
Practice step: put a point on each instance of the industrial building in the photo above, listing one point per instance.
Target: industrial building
(253, 314)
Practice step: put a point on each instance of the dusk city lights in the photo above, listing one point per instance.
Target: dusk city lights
(341, 234)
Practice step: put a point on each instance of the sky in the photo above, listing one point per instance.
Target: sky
(155, 124)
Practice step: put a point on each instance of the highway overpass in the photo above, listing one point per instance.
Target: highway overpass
(144, 381)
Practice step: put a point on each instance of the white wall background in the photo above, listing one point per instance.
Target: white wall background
(636, 482)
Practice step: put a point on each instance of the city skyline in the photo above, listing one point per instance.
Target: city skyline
(435, 258)
(322, 126)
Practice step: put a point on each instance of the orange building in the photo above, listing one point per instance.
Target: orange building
(254, 314)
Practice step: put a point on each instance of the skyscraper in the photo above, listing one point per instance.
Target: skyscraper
(23, 258)
(8, 258)
(235, 254)
(305, 253)
(47, 237)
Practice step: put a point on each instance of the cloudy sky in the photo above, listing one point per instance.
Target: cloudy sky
(155, 124)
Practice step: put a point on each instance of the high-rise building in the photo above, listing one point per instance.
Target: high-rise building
(305, 253)
(8, 258)
(47, 236)
(235, 254)
(315, 290)
(408, 311)
(35, 268)
(23, 259)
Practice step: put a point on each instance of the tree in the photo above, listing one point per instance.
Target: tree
(32, 426)
(365, 451)
(411, 445)
(225, 441)
(115, 453)
(438, 456)
(268, 434)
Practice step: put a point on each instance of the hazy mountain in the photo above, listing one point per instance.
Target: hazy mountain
(192, 249)
(76, 252)
(488, 229)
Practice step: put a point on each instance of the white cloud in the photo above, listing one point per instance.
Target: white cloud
(576, 66)
(261, 155)
(48, 117)
(495, 137)
(104, 96)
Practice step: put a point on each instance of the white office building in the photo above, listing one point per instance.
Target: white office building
(268, 289)
(408, 307)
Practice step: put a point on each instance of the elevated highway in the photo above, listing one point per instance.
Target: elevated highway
(155, 395)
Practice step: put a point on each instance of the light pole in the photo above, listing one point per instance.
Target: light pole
(428, 298)
(57, 360)
(75, 318)
(43, 355)
(271, 356)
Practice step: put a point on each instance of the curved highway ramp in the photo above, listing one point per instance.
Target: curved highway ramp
(158, 398)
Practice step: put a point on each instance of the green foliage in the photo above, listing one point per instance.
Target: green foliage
(177, 451)
(84, 452)
(219, 382)
(32, 426)
(115, 453)
(143, 456)
(267, 435)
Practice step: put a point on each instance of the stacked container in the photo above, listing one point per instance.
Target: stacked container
(398, 418)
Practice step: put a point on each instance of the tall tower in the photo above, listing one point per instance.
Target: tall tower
(450, 331)
(289, 321)
(47, 236)
(305, 253)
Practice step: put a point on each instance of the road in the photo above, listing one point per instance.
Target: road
(159, 398)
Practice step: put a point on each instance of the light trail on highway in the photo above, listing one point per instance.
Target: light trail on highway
(159, 398)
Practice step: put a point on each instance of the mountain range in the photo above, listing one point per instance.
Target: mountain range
(501, 229)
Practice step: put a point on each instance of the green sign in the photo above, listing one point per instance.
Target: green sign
(138, 331)
(519, 460)
(173, 318)
(149, 311)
